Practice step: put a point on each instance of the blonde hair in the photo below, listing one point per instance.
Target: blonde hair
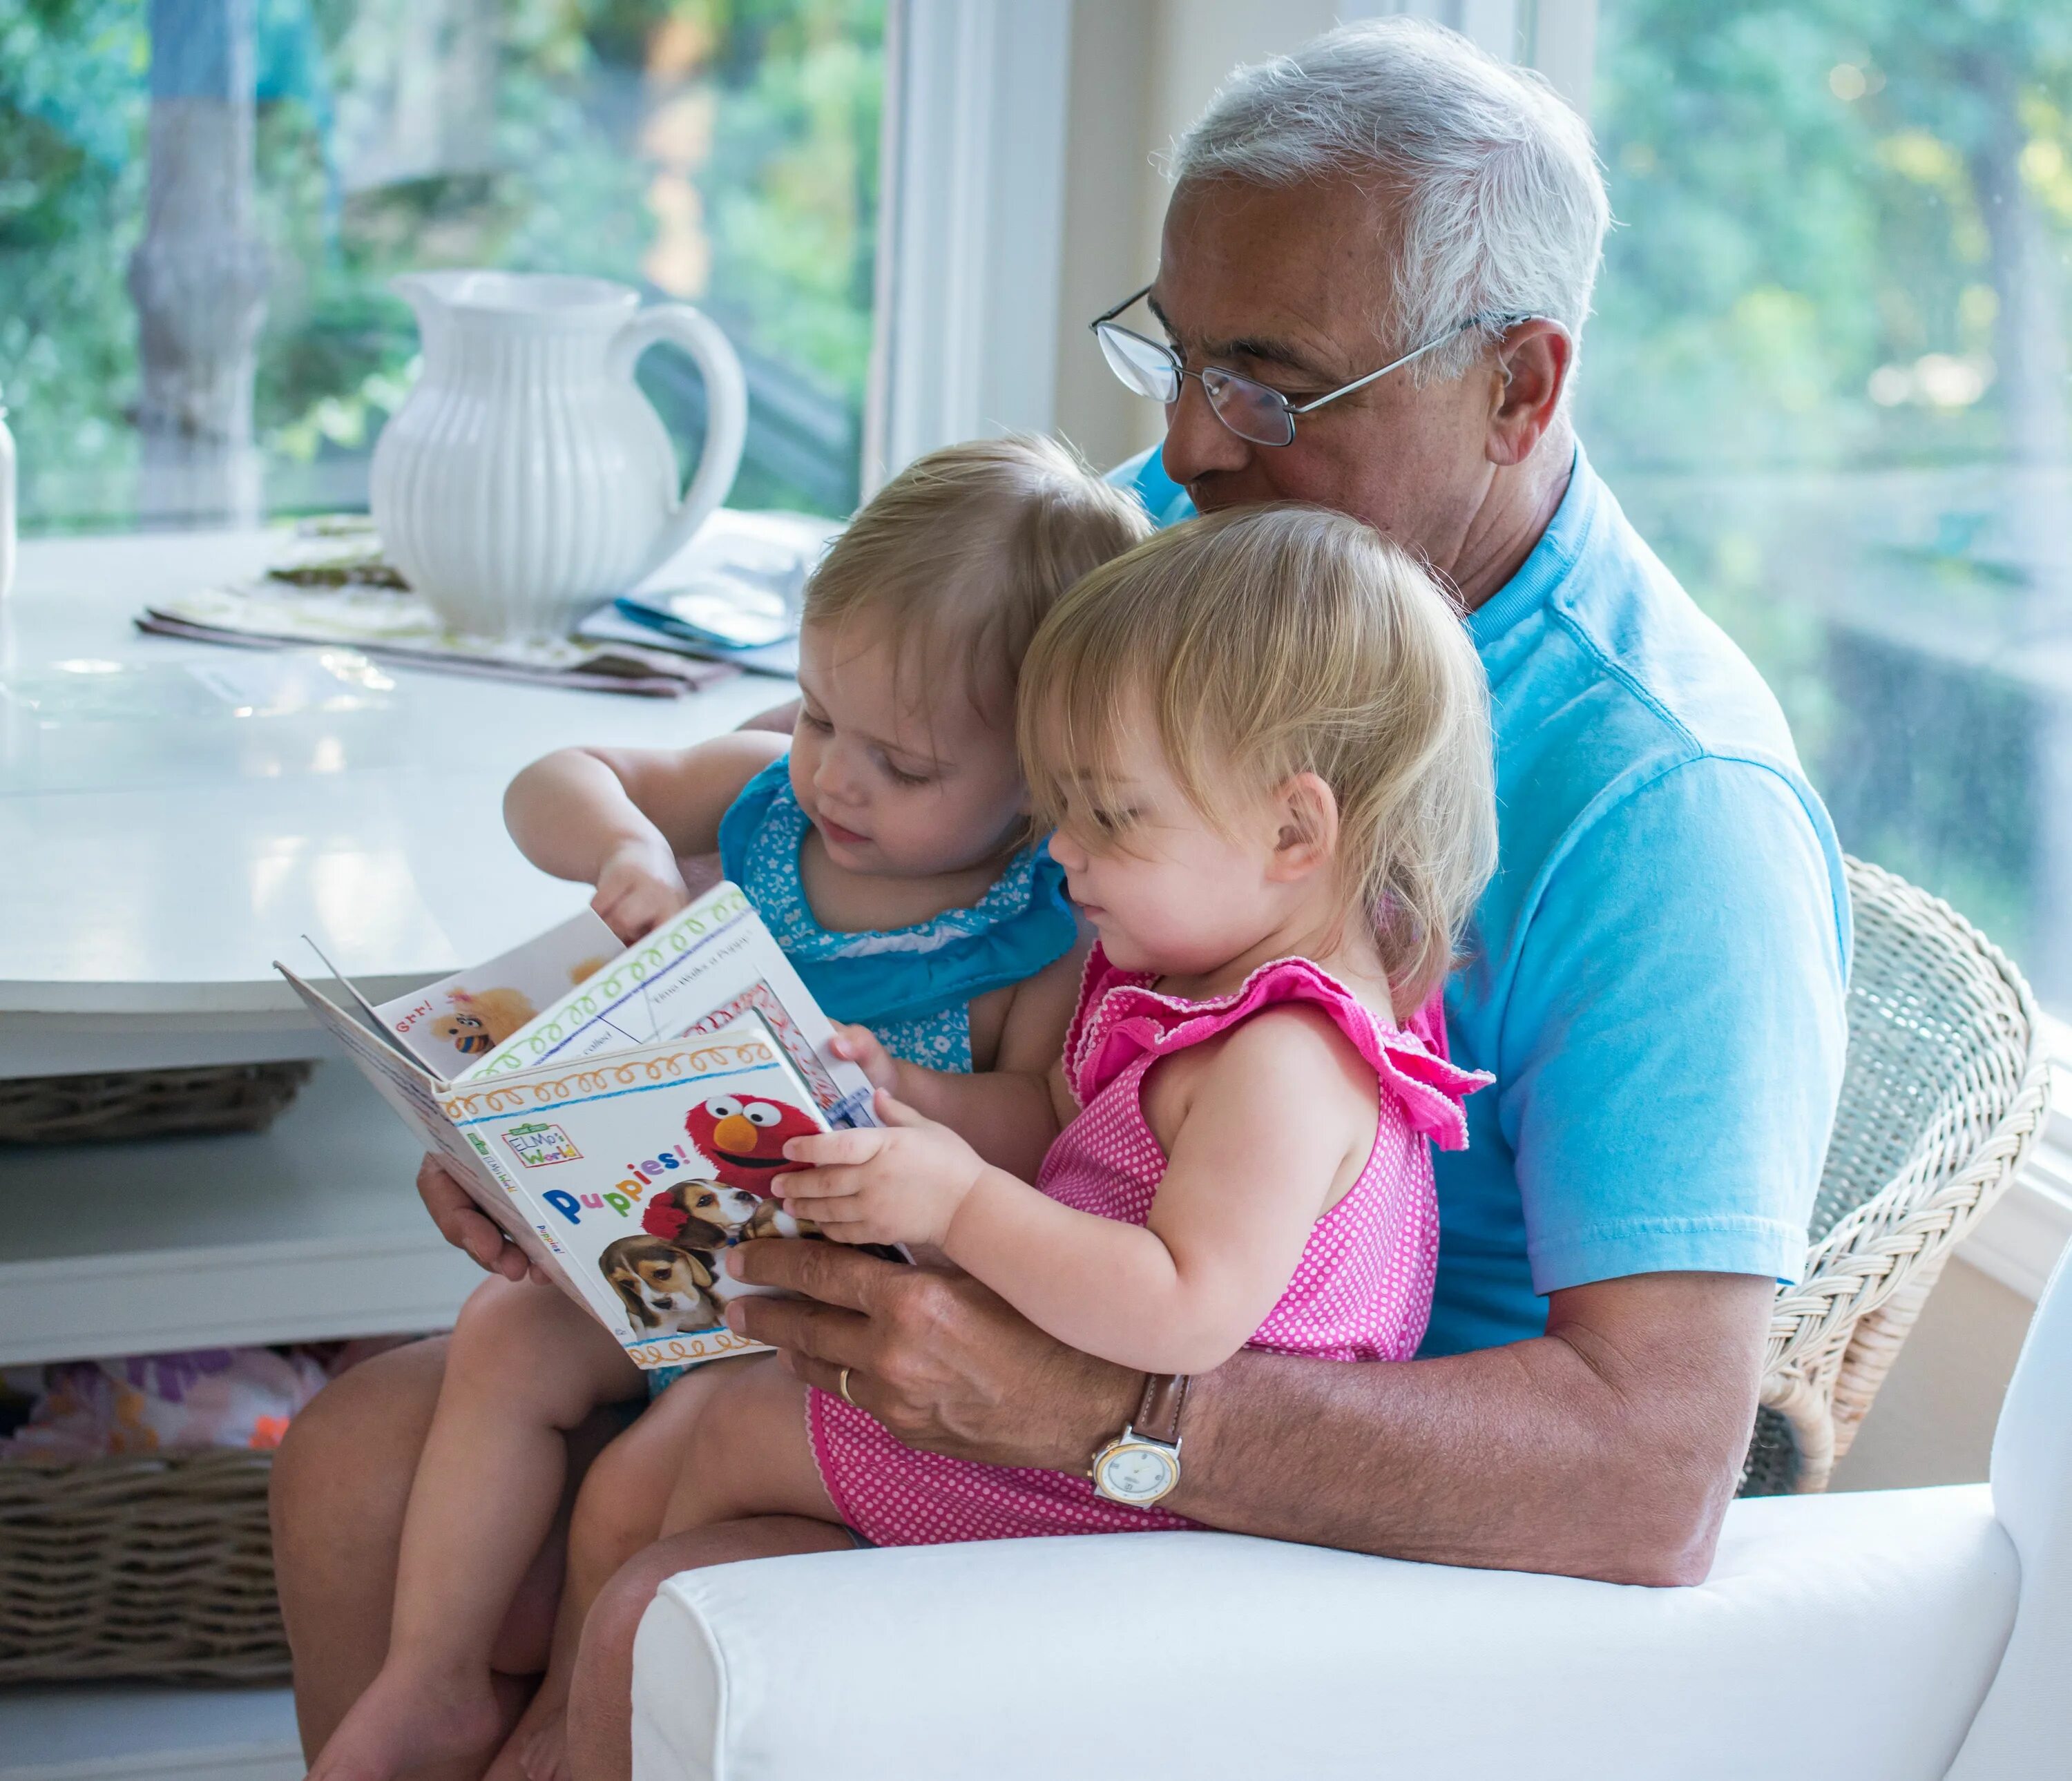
(966, 550)
(1269, 642)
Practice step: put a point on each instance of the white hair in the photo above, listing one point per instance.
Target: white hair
(1502, 209)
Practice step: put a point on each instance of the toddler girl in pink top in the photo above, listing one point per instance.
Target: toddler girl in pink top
(1262, 739)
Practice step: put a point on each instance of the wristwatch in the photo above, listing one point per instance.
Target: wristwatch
(1142, 1464)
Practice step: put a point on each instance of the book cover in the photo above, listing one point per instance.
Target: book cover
(627, 1135)
(637, 1170)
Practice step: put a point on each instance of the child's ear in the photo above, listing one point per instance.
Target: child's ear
(1308, 835)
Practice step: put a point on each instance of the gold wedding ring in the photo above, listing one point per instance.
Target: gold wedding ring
(841, 1385)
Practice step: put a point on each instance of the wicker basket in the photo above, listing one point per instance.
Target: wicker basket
(1943, 1094)
(157, 1568)
(69, 1109)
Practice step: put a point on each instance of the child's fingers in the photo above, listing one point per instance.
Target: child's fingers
(828, 1148)
(860, 1229)
(837, 1182)
(618, 913)
(895, 1112)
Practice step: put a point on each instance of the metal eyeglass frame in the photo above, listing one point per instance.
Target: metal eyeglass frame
(1105, 325)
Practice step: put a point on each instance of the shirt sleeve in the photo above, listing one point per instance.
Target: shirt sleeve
(1144, 477)
(1672, 1046)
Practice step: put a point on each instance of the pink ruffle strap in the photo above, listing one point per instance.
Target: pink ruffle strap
(1120, 1018)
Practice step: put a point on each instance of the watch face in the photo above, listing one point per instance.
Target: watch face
(1137, 1475)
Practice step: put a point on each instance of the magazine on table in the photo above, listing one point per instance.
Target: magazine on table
(620, 1113)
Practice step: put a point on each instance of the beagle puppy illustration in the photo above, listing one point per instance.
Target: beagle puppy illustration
(710, 1215)
(700, 1214)
(666, 1287)
(770, 1218)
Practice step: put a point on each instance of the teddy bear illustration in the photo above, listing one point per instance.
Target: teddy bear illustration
(482, 1019)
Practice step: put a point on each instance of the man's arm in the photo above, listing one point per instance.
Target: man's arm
(1609, 1447)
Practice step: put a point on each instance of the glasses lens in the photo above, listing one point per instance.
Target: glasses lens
(1250, 410)
(1144, 365)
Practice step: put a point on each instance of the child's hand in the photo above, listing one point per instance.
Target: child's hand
(862, 1048)
(639, 888)
(901, 1183)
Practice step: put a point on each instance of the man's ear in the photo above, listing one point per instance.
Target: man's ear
(1533, 361)
(1308, 835)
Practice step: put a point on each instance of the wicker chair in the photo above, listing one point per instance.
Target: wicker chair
(1944, 1091)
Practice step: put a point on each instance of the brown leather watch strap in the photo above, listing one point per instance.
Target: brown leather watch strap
(1158, 1416)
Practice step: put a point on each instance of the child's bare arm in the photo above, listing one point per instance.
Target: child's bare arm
(620, 819)
(1278, 1116)
(1007, 1114)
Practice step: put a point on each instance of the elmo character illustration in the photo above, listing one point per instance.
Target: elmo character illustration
(744, 1135)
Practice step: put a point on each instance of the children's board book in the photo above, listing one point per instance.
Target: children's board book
(620, 1113)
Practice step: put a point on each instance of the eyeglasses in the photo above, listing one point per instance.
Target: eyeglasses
(1251, 410)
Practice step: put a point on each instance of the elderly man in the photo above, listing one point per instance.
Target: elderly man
(1375, 267)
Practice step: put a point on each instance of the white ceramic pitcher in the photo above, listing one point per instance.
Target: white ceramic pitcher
(527, 479)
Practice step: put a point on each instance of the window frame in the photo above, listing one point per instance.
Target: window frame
(971, 222)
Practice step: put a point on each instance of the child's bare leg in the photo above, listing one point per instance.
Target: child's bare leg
(738, 1450)
(600, 1723)
(525, 1366)
(617, 1513)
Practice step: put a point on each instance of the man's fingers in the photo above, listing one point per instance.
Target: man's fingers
(486, 1246)
(461, 1225)
(829, 1378)
(821, 1271)
(799, 1326)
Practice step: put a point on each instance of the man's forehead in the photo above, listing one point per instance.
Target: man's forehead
(1296, 269)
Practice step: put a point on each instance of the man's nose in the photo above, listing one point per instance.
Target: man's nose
(1197, 443)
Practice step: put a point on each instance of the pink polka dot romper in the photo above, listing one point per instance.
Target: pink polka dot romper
(1362, 1291)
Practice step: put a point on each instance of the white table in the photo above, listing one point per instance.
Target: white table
(174, 816)
(165, 841)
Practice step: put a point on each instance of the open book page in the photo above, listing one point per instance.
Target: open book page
(709, 963)
(452, 1024)
(639, 1169)
(413, 1093)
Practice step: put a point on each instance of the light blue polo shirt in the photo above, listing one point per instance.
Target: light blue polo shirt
(1656, 974)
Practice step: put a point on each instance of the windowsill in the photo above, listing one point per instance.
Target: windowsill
(2020, 1241)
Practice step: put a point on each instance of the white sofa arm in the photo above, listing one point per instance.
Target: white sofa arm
(1845, 1636)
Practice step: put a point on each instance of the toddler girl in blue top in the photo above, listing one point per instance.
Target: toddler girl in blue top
(890, 850)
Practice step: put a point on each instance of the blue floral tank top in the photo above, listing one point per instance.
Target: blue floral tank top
(910, 986)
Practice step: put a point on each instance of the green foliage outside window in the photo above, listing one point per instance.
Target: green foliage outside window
(768, 186)
(1828, 377)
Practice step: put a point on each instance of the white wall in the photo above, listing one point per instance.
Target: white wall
(1932, 1423)
(1141, 71)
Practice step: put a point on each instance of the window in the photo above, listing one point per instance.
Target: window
(240, 355)
(1828, 380)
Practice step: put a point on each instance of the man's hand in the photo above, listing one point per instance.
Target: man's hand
(1607, 1448)
(639, 887)
(946, 1365)
(899, 1183)
(462, 1225)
